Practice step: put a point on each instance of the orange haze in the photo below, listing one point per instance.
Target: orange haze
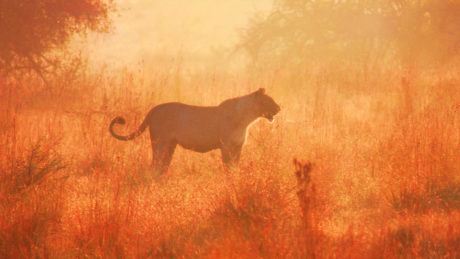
(158, 31)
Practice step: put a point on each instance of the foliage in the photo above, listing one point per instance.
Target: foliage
(297, 32)
(32, 31)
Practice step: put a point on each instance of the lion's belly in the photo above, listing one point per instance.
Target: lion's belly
(198, 148)
(200, 136)
(198, 142)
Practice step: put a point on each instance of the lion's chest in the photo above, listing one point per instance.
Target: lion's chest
(236, 136)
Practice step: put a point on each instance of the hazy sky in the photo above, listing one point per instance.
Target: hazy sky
(160, 30)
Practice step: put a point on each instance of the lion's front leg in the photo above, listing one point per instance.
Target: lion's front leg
(231, 154)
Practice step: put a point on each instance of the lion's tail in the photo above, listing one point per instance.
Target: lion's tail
(120, 120)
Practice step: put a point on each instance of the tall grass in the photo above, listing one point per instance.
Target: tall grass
(385, 181)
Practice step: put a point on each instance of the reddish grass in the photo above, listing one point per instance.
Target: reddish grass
(385, 148)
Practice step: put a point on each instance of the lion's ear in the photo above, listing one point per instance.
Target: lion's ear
(261, 91)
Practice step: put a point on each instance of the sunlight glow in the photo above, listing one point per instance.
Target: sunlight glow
(155, 32)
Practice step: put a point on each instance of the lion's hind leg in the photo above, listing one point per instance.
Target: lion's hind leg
(163, 152)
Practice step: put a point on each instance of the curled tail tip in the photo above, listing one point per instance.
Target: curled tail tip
(119, 120)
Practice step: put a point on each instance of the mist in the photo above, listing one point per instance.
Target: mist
(158, 32)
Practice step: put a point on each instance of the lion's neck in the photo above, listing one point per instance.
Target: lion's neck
(244, 113)
(241, 109)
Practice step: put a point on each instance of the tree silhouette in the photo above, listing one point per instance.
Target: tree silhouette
(33, 31)
(299, 31)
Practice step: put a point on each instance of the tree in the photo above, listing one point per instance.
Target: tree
(32, 32)
(299, 31)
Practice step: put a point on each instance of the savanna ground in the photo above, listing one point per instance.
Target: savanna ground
(384, 183)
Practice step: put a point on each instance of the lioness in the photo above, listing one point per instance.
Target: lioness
(202, 128)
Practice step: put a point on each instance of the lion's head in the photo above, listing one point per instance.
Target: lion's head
(266, 106)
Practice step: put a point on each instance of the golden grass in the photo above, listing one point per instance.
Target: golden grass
(384, 147)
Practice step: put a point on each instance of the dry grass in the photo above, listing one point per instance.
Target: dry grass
(385, 148)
